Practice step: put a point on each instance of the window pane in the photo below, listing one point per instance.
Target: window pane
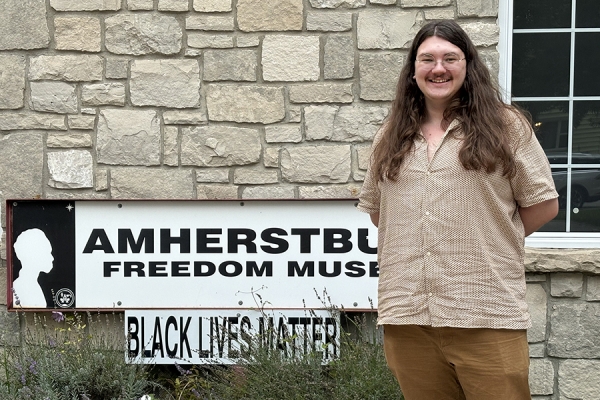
(586, 132)
(587, 14)
(540, 65)
(550, 120)
(587, 58)
(585, 200)
(533, 14)
(559, 223)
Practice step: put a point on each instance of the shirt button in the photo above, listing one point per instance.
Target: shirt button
(428, 253)
(428, 173)
(429, 294)
(426, 212)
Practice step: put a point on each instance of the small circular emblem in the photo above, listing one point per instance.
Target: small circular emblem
(64, 298)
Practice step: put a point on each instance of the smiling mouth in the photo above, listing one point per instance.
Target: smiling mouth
(439, 80)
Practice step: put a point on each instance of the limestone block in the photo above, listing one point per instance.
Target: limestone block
(379, 75)
(86, 5)
(23, 25)
(322, 93)
(316, 164)
(79, 194)
(482, 34)
(329, 192)
(477, 8)
(170, 146)
(439, 13)
(541, 377)
(593, 288)
(81, 121)
(210, 22)
(294, 113)
(386, 2)
(212, 175)
(101, 180)
(363, 155)
(212, 5)
(167, 83)
(140, 5)
(219, 146)
(579, 379)
(10, 333)
(72, 68)
(12, 81)
(491, 59)
(268, 192)
(58, 97)
(28, 120)
(286, 133)
(537, 350)
(184, 117)
(3, 281)
(290, 58)
(230, 65)
(247, 41)
(70, 169)
(271, 157)
(242, 176)
(332, 21)
(562, 260)
(128, 137)
(77, 33)
(537, 302)
(566, 284)
(425, 3)
(145, 33)
(21, 159)
(319, 122)
(208, 40)
(385, 29)
(151, 183)
(173, 5)
(269, 15)
(338, 3)
(533, 277)
(358, 123)
(217, 192)
(339, 58)
(68, 140)
(574, 328)
(243, 103)
(116, 68)
(103, 94)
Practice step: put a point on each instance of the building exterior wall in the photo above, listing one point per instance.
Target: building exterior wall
(243, 99)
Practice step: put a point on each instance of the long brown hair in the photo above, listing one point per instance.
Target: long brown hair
(478, 107)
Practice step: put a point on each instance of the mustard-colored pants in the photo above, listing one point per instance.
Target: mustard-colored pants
(457, 363)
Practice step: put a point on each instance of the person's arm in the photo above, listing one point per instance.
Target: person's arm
(375, 219)
(537, 215)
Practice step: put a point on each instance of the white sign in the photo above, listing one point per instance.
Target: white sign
(191, 254)
(224, 336)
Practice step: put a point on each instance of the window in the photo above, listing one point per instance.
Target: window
(550, 55)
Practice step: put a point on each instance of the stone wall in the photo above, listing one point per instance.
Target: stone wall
(241, 99)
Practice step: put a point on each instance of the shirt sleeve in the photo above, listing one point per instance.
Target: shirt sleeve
(533, 182)
(369, 198)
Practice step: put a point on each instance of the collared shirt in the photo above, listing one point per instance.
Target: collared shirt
(450, 240)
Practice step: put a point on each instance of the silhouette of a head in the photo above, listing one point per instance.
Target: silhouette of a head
(34, 250)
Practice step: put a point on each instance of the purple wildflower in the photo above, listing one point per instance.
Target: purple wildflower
(181, 370)
(58, 316)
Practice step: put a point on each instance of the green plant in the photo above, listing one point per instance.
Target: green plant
(71, 356)
(268, 373)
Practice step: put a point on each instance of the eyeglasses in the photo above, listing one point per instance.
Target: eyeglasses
(430, 63)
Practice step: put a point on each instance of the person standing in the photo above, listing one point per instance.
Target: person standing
(456, 181)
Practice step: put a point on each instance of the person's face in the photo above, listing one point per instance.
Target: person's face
(46, 259)
(440, 70)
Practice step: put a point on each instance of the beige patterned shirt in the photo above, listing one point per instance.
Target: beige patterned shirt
(451, 241)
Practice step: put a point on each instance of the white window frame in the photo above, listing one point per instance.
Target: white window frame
(538, 239)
